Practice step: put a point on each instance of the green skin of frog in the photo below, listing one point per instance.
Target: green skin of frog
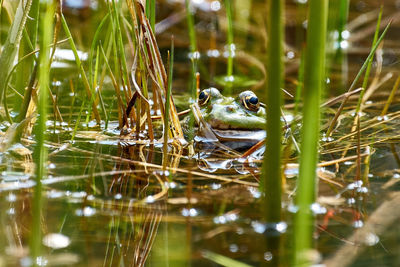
(231, 113)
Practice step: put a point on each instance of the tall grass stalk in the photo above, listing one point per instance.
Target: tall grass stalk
(272, 175)
(167, 105)
(190, 25)
(358, 76)
(314, 80)
(151, 12)
(230, 45)
(11, 45)
(40, 150)
(368, 70)
(193, 49)
(89, 89)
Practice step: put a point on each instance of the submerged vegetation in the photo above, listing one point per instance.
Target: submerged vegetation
(116, 149)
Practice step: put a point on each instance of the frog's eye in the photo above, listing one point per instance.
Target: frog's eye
(204, 96)
(249, 100)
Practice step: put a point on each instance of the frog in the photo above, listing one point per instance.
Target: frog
(233, 119)
(228, 113)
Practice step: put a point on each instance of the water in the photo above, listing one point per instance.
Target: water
(108, 201)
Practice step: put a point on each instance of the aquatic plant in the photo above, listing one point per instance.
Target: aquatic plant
(314, 82)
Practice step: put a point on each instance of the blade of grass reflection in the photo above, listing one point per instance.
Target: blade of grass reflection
(223, 260)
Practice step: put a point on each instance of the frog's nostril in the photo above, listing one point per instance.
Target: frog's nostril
(230, 109)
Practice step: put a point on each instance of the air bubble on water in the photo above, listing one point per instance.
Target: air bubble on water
(255, 192)
(52, 166)
(10, 211)
(41, 261)
(171, 185)
(80, 194)
(281, 227)
(189, 212)
(233, 248)
(54, 194)
(290, 55)
(85, 212)
(215, 5)
(358, 224)
(292, 208)
(362, 189)
(215, 186)
(356, 184)
(194, 55)
(268, 256)
(344, 44)
(213, 53)
(56, 241)
(345, 34)
(150, 199)
(371, 239)
(318, 209)
(11, 197)
(258, 227)
(351, 201)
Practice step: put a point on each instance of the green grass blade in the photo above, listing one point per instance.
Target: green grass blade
(11, 45)
(360, 72)
(314, 82)
(272, 176)
(368, 70)
(88, 88)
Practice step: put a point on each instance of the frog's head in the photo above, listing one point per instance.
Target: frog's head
(243, 112)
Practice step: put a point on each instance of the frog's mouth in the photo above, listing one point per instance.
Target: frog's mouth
(251, 124)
